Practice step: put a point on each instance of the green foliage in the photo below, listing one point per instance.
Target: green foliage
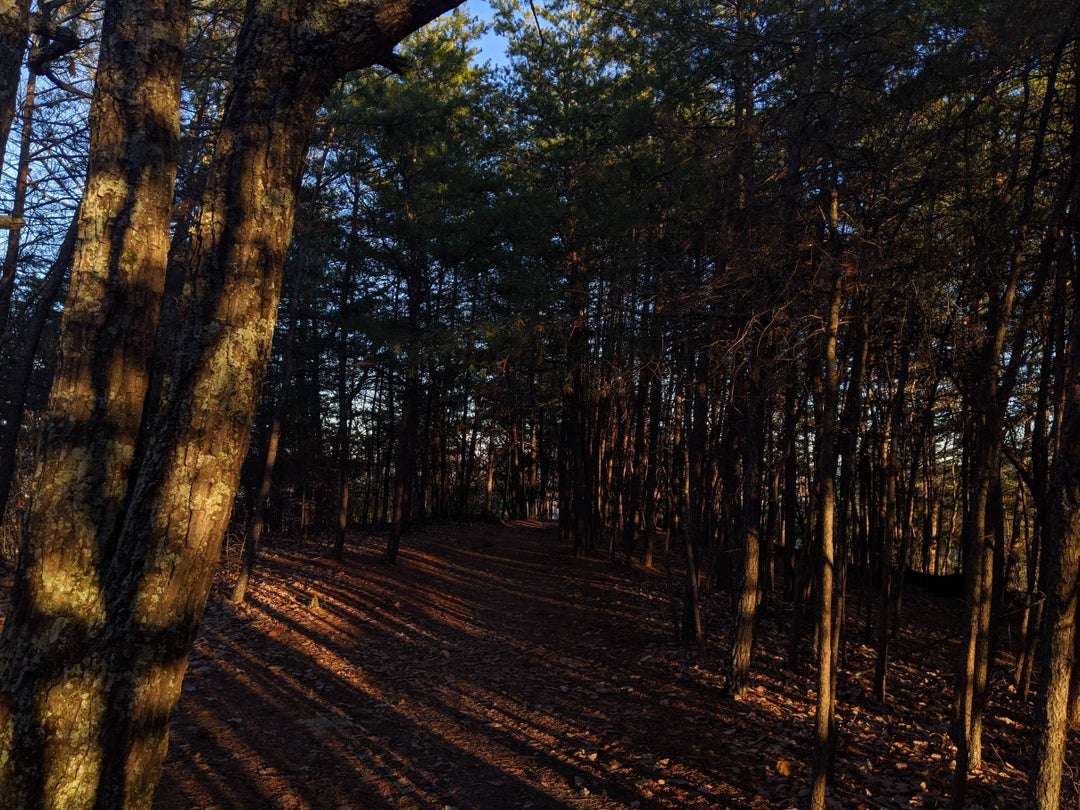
(675, 186)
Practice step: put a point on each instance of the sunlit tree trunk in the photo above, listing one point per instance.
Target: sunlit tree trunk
(257, 524)
(1055, 707)
(114, 578)
(1057, 658)
(55, 687)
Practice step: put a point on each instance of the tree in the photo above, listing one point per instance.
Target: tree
(1058, 655)
(412, 157)
(14, 31)
(133, 498)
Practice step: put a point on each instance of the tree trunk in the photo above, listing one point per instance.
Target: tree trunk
(892, 556)
(978, 575)
(266, 481)
(343, 448)
(652, 494)
(747, 598)
(18, 207)
(405, 471)
(694, 494)
(634, 521)
(14, 32)
(56, 687)
(1060, 641)
(693, 628)
(21, 367)
(85, 703)
(344, 396)
(825, 474)
(1057, 654)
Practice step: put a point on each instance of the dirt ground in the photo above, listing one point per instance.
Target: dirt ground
(489, 668)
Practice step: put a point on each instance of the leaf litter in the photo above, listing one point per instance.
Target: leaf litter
(489, 668)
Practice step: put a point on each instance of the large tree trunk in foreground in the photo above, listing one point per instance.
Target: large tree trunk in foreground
(54, 684)
(114, 578)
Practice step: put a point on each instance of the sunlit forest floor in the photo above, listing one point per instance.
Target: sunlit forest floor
(489, 668)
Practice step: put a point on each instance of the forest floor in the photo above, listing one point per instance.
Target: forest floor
(489, 668)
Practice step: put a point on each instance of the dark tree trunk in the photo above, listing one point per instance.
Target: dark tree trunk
(14, 32)
(974, 665)
(405, 471)
(18, 208)
(1060, 645)
(344, 395)
(634, 521)
(827, 618)
(751, 441)
(694, 498)
(892, 556)
(21, 368)
(652, 494)
(693, 629)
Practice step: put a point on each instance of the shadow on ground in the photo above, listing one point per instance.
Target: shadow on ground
(491, 669)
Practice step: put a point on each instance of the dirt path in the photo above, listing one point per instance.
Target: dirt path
(490, 669)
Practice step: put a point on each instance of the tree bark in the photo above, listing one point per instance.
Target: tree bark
(253, 537)
(113, 579)
(825, 475)
(1060, 642)
(55, 685)
(1058, 650)
(752, 441)
(14, 32)
(405, 471)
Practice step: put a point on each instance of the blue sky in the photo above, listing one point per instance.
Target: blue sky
(492, 46)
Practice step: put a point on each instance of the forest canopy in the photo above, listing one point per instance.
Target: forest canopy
(788, 287)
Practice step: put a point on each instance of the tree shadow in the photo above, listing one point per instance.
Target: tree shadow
(468, 675)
